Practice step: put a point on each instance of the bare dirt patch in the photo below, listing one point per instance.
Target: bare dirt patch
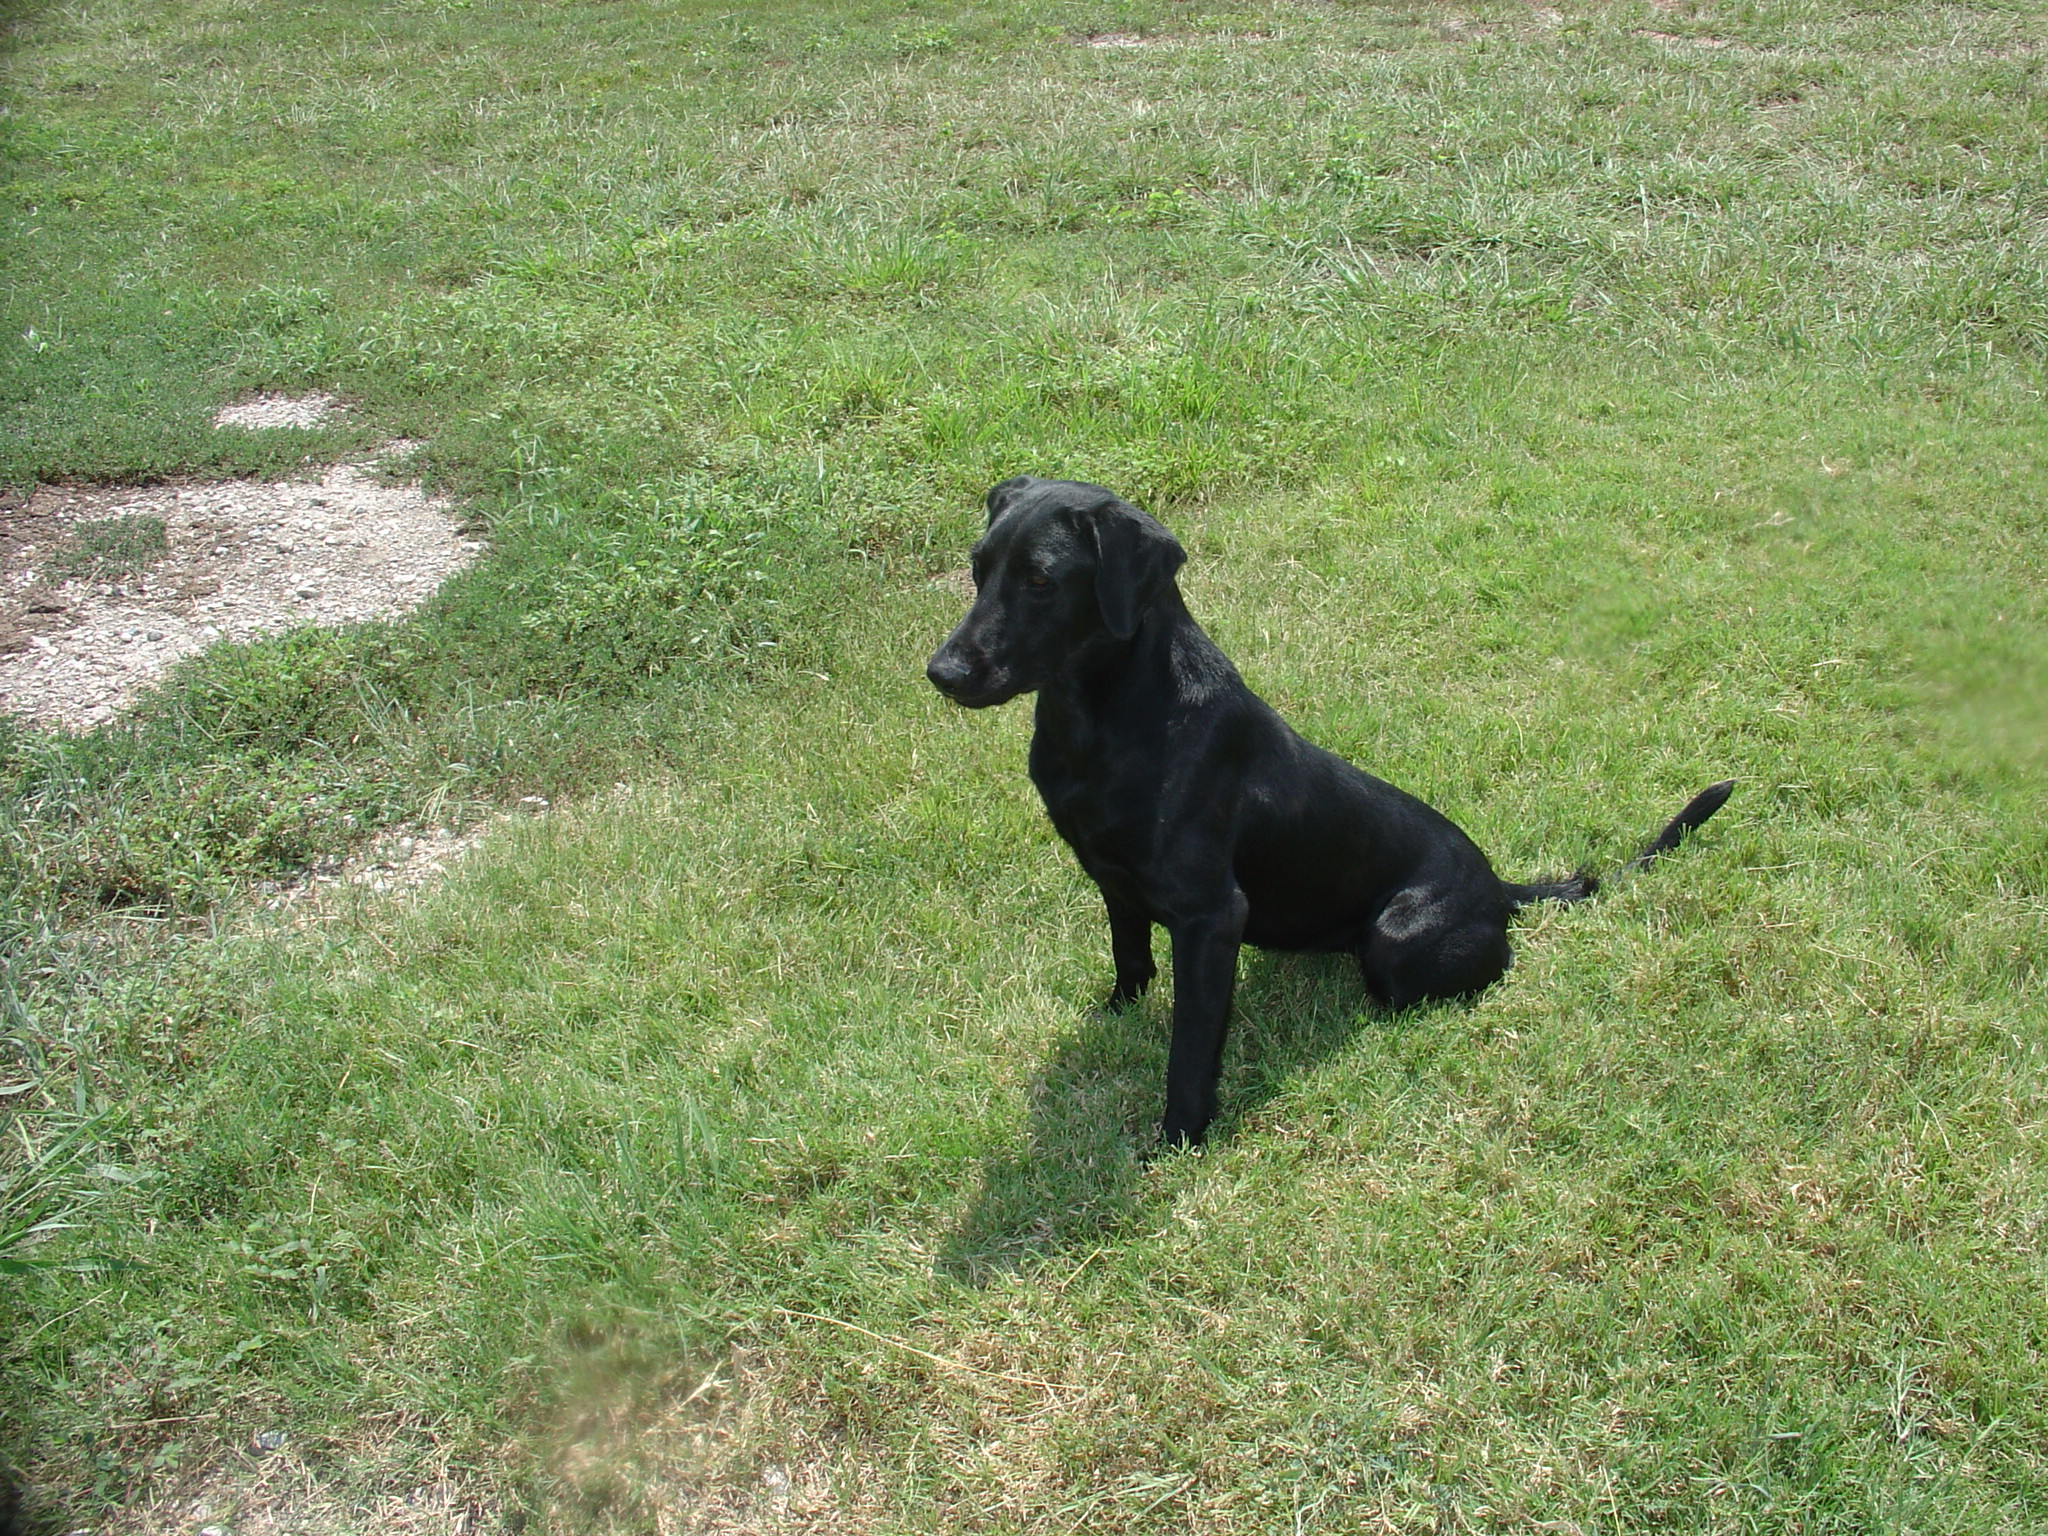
(81, 632)
(1677, 40)
(280, 1495)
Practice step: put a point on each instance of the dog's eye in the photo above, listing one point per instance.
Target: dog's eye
(1038, 581)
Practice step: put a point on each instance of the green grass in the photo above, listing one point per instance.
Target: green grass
(1561, 411)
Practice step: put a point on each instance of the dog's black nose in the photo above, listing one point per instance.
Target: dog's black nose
(947, 672)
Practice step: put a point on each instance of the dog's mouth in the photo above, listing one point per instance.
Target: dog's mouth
(978, 698)
(969, 686)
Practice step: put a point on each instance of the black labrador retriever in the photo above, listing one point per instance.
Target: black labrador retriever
(1193, 805)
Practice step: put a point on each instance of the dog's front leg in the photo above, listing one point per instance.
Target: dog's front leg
(1130, 946)
(1204, 977)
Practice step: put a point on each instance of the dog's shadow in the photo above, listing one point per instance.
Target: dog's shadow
(1079, 1176)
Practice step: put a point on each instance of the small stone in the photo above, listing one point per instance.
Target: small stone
(269, 1440)
(533, 805)
(153, 634)
(306, 592)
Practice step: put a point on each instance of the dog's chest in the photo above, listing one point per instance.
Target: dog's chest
(1106, 804)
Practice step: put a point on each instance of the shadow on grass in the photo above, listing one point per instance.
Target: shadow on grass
(1080, 1176)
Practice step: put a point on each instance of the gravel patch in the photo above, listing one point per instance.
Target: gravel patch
(1110, 40)
(243, 559)
(265, 411)
(398, 862)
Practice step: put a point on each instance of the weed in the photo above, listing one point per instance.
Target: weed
(42, 1171)
(108, 549)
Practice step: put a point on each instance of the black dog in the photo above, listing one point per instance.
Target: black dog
(1192, 804)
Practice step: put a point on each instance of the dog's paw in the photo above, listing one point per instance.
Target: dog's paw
(1126, 990)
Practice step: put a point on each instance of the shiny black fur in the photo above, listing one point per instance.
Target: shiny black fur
(1193, 805)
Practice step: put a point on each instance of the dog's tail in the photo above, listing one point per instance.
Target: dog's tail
(1583, 885)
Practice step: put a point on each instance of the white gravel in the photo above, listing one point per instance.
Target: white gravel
(246, 559)
(400, 861)
(265, 411)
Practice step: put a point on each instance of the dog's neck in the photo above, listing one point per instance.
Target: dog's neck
(1169, 657)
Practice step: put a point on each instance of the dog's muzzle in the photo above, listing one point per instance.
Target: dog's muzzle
(951, 674)
(963, 682)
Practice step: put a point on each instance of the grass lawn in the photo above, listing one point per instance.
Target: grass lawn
(1563, 407)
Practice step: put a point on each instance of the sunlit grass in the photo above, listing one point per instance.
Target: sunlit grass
(1562, 409)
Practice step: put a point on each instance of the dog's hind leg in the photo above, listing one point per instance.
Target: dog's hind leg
(1422, 948)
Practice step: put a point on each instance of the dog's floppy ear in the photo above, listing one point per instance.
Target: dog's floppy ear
(1135, 560)
(1000, 496)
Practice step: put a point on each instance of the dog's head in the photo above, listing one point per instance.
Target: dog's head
(1063, 565)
